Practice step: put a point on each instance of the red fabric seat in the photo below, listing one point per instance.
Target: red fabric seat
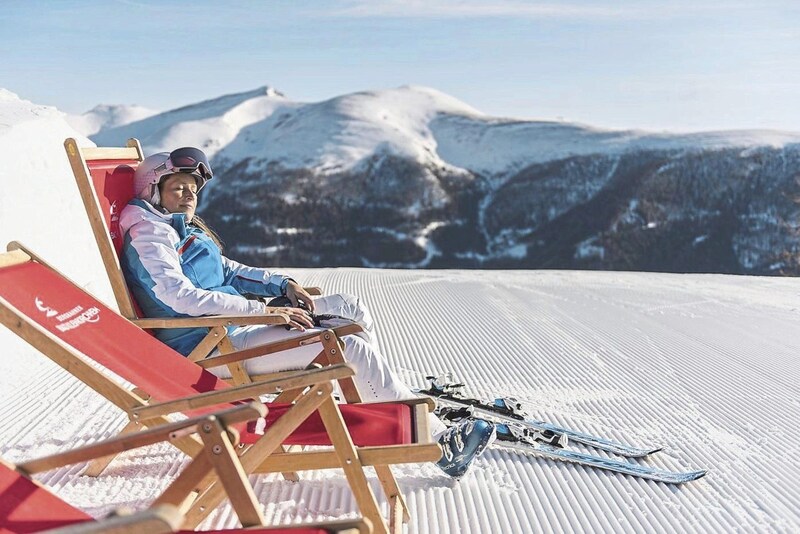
(86, 324)
(113, 182)
(370, 425)
(27, 507)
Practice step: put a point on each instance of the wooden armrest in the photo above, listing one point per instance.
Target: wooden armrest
(313, 290)
(275, 346)
(296, 380)
(425, 402)
(430, 402)
(128, 441)
(422, 429)
(211, 320)
(157, 520)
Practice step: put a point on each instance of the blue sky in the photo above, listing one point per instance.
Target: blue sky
(654, 64)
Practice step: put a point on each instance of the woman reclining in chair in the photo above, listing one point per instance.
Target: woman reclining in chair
(175, 268)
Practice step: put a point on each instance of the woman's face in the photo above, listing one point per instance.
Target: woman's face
(179, 194)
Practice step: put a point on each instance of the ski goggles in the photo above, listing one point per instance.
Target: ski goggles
(188, 159)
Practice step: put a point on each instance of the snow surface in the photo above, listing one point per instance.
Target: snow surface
(705, 365)
(416, 122)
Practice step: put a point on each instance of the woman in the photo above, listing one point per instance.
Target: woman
(174, 267)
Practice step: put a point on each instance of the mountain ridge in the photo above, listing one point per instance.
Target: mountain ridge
(412, 177)
(422, 112)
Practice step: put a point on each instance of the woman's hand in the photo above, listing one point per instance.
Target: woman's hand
(296, 293)
(298, 317)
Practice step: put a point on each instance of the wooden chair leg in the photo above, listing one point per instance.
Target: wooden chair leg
(291, 476)
(98, 465)
(183, 492)
(351, 464)
(222, 456)
(334, 350)
(240, 377)
(212, 339)
(238, 373)
(218, 337)
(254, 456)
(397, 503)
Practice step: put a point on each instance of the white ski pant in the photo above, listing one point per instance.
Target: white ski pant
(375, 380)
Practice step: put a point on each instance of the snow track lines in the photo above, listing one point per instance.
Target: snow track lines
(704, 365)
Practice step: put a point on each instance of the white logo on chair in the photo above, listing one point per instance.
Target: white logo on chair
(46, 309)
(71, 319)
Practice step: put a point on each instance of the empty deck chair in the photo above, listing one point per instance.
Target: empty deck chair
(27, 506)
(105, 181)
(70, 327)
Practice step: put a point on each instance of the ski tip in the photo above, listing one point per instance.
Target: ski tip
(675, 477)
(642, 453)
(694, 475)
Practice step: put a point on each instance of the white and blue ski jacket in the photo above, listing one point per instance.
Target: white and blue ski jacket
(174, 269)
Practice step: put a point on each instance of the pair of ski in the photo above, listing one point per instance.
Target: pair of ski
(516, 431)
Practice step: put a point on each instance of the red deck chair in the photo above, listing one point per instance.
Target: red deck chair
(27, 506)
(105, 181)
(70, 326)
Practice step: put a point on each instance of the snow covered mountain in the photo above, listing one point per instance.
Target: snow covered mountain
(411, 177)
(104, 117)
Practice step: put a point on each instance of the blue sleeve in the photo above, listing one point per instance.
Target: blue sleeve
(253, 280)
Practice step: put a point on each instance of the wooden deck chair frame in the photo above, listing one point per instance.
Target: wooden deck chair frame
(129, 156)
(218, 456)
(315, 389)
(299, 460)
(162, 519)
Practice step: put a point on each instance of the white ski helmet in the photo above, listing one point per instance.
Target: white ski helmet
(158, 166)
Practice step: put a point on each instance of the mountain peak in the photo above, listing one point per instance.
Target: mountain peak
(270, 91)
(108, 116)
(8, 96)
